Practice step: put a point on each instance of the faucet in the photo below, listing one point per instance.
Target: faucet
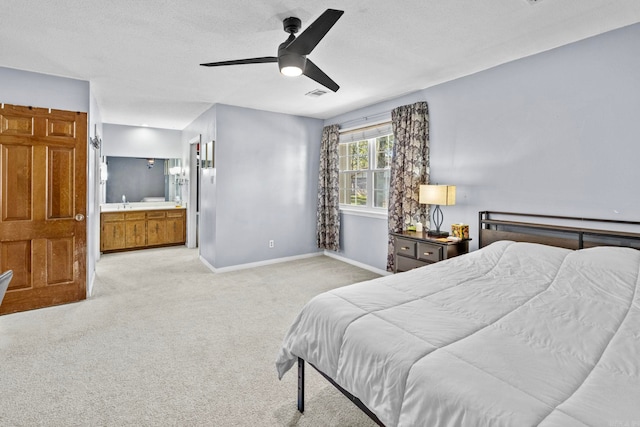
(124, 202)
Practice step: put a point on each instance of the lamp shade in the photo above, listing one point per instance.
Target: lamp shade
(437, 194)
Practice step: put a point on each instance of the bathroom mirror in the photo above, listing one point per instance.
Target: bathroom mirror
(142, 179)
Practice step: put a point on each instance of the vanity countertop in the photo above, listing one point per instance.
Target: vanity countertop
(138, 206)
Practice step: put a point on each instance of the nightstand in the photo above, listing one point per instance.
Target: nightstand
(414, 250)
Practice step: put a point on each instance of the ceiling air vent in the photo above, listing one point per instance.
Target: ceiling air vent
(316, 93)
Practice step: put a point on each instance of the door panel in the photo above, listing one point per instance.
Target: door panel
(16, 256)
(16, 169)
(43, 193)
(60, 181)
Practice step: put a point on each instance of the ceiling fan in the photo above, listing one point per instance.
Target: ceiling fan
(292, 54)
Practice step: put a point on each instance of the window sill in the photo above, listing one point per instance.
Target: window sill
(369, 213)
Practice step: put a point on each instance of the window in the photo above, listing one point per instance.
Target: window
(365, 162)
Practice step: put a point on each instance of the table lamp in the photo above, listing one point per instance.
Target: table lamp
(437, 195)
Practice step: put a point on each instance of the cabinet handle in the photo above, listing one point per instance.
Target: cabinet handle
(404, 248)
(428, 253)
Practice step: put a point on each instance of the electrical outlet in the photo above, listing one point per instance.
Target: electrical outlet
(271, 244)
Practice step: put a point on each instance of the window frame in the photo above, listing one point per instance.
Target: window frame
(371, 135)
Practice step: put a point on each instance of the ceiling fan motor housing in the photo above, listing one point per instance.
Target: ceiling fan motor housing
(291, 25)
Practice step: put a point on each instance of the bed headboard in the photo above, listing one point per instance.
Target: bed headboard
(562, 231)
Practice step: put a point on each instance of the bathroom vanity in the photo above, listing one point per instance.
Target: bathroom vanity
(130, 226)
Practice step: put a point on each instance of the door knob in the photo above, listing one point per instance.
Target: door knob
(79, 217)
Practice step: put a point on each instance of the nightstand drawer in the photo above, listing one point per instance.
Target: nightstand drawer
(406, 264)
(405, 247)
(429, 252)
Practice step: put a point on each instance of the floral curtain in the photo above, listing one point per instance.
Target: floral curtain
(409, 169)
(328, 219)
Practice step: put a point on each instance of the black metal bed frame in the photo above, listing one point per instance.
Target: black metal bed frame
(494, 225)
(351, 397)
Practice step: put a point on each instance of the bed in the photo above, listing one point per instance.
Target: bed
(540, 326)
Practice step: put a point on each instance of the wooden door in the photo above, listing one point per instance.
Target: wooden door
(43, 161)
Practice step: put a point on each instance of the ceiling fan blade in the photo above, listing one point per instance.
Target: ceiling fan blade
(312, 71)
(261, 60)
(312, 35)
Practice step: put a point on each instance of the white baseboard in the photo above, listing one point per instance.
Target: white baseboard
(332, 254)
(206, 263)
(257, 264)
(92, 280)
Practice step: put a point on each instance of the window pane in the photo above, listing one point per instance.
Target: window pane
(384, 151)
(381, 179)
(353, 156)
(363, 154)
(344, 157)
(381, 199)
(349, 188)
(353, 188)
(360, 189)
(343, 188)
(381, 189)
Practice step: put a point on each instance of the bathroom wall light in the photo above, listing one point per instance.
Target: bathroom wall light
(104, 174)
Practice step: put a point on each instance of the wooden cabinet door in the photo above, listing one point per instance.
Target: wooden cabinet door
(113, 236)
(156, 231)
(43, 162)
(136, 231)
(112, 231)
(175, 227)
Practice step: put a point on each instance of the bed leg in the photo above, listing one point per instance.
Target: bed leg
(300, 385)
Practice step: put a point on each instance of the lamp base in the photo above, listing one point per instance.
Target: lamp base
(435, 233)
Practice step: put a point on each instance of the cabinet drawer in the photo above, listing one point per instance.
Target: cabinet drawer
(175, 214)
(156, 214)
(134, 215)
(406, 264)
(429, 252)
(405, 247)
(108, 217)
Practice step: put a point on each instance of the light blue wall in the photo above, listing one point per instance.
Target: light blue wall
(267, 178)
(555, 133)
(264, 185)
(42, 90)
(137, 141)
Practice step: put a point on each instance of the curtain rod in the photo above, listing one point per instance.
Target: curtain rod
(385, 115)
(364, 128)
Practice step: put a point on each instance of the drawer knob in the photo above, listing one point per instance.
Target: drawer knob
(405, 248)
(428, 253)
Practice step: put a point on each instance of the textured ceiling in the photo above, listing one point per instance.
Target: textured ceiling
(142, 57)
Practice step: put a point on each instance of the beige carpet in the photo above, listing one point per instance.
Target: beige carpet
(165, 342)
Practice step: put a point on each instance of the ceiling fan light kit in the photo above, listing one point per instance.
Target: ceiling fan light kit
(292, 54)
(290, 64)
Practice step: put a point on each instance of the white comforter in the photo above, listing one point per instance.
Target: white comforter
(515, 334)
